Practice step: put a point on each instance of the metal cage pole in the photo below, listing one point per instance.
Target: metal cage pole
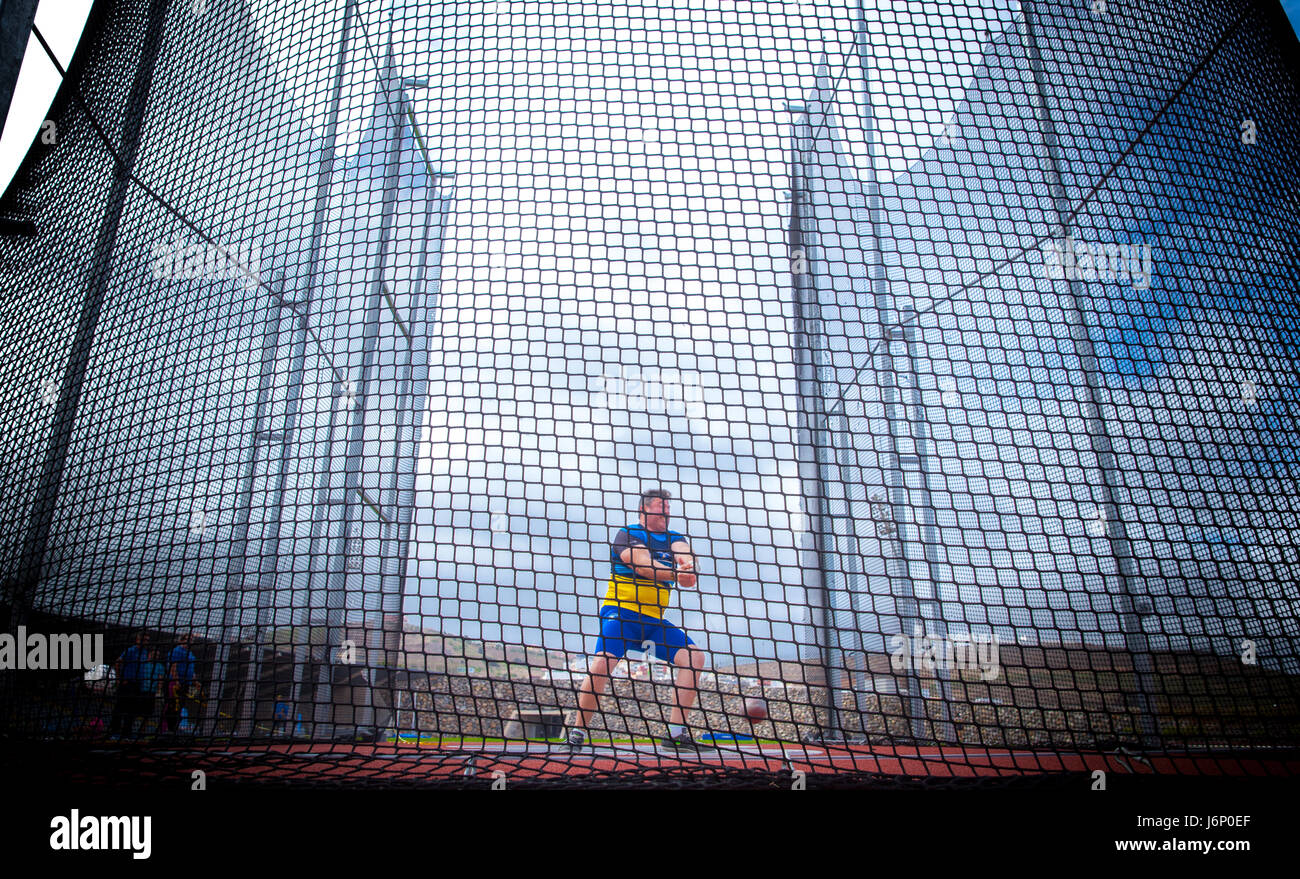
(297, 311)
(1133, 605)
(308, 656)
(844, 514)
(812, 421)
(412, 398)
(350, 495)
(234, 615)
(892, 330)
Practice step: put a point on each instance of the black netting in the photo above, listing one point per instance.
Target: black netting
(345, 338)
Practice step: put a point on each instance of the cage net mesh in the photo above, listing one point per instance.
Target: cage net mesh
(344, 338)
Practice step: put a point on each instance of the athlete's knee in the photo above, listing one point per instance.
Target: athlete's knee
(689, 656)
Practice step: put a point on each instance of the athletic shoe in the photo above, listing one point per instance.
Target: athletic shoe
(575, 739)
(682, 742)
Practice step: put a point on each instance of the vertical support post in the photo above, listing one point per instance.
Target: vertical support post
(308, 655)
(927, 525)
(812, 421)
(234, 617)
(1132, 606)
(910, 612)
(320, 657)
(411, 400)
(347, 495)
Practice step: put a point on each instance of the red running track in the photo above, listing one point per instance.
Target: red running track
(411, 763)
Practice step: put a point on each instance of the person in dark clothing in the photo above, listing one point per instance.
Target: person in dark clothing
(180, 678)
(151, 685)
(132, 669)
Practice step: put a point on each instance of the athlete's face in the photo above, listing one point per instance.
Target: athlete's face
(654, 516)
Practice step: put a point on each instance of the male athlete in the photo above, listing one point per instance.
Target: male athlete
(646, 560)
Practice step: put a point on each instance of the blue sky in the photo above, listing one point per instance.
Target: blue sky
(1292, 8)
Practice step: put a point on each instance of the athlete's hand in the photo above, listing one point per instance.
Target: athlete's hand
(686, 572)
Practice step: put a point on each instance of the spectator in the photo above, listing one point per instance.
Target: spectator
(180, 679)
(151, 684)
(131, 668)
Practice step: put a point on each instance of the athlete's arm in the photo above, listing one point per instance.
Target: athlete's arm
(638, 558)
(685, 564)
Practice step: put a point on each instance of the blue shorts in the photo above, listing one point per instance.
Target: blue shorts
(622, 630)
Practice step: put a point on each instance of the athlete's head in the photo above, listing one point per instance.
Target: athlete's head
(654, 510)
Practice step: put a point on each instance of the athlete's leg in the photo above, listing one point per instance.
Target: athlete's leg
(616, 636)
(593, 685)
(676, 647)
(690, 661)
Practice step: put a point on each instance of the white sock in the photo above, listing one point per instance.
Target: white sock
(676, 729)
